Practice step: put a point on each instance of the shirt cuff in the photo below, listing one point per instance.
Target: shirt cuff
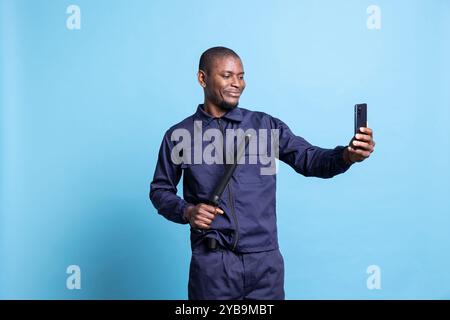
(339, 154)
(184, 208)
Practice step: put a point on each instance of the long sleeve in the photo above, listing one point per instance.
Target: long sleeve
(307, 159)
(163, 188)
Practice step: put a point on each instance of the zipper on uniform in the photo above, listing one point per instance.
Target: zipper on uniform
(230, 196)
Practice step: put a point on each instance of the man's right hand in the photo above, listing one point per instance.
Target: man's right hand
(201, 215)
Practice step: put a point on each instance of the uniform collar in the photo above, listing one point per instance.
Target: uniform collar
(234, 114)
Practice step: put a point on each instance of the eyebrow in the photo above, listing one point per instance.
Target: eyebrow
(227, 71)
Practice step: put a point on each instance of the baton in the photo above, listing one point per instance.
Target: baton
(214, 198)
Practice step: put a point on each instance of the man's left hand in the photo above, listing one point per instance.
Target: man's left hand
(360, 147)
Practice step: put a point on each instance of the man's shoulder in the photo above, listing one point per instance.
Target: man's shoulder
(253, 112)
(258, 115)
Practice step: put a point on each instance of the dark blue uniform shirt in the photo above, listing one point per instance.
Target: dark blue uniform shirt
(249, 203)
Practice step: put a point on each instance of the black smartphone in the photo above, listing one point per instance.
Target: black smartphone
(360, 116)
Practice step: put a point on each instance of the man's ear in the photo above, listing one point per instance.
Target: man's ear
(201, 77)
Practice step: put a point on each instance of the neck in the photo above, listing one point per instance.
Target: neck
(213, 109)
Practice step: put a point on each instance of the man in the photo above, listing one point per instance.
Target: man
(247, 263)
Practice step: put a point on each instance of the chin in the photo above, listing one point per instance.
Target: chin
(228, 105)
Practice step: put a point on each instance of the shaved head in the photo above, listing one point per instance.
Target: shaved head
(209, 56)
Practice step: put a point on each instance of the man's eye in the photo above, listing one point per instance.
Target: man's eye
(226, 76)
(241, 78)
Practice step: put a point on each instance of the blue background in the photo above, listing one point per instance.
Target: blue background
(83, 113)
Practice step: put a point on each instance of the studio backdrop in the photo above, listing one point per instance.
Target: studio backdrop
(88, 89)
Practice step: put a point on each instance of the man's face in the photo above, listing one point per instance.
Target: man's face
(224, 83)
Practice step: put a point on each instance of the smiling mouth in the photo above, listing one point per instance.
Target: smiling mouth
(233, 94)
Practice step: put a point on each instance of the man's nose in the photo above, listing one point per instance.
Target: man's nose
(235, 82)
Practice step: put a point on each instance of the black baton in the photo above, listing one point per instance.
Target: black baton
(214, 199)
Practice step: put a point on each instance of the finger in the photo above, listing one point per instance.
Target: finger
(359, 153)
(366, 130)
(218, 210)
(362, 153)
(208, 208)
(353, 151)
(201, 225)
(363, 137)
(362, 145)
(206, 214)
(204, 220)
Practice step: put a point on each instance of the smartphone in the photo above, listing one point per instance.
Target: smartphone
(360, 116)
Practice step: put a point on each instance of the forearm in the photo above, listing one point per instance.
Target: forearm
(324, 163)
(169, 205)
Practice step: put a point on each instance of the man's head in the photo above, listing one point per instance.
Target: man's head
(221, 75)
